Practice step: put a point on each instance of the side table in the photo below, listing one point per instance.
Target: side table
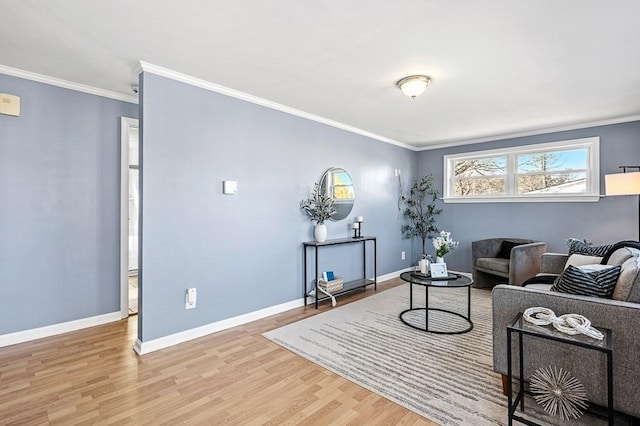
(522, 327)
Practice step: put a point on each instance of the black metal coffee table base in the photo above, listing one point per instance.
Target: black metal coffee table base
(459, 281)
(426, 321)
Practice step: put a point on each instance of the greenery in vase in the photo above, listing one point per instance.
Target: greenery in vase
(444, 244)
(420, 210)
(319, 206)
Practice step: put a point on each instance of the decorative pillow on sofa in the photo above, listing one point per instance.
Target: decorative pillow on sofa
(505, 249)
(584, 247)
(581, 260)
(628, 286)
(588, 280)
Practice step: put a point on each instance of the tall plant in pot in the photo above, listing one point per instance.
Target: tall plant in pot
(320, 208)
(420, 210)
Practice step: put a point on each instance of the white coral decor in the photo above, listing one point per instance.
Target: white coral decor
(444, 244)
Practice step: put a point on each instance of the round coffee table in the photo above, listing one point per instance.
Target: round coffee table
(455, 280)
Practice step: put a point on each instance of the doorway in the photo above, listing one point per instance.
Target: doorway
(129, 216)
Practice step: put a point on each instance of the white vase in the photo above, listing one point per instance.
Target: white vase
(320, 232)
(439, 259)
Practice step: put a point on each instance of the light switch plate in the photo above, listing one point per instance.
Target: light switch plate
(229, 187)
(191, 298)
(9, 104)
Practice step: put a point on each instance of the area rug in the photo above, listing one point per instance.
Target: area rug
(448, 379)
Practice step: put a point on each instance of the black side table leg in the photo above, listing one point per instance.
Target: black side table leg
(426, 309)
(509, 380)
(610, 388)
(304, 274)
(375, 266)
(469, 303)
(410, 295)
(521, 371)
(316, 277)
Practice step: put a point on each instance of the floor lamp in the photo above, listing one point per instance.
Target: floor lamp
(624, 184)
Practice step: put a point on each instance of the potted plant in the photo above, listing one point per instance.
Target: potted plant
(421, 211)
(319, 207)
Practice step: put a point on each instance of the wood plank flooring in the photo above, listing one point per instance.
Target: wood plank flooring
(234, 377)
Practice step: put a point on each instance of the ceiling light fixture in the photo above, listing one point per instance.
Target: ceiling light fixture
(413, 85)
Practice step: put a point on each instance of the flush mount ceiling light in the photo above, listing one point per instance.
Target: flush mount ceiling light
(413, 85)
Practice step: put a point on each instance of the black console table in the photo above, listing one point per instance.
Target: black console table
(348, 286)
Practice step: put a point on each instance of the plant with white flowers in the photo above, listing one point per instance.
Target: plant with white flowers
(444, 244)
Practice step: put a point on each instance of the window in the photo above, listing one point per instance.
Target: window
(558, 171)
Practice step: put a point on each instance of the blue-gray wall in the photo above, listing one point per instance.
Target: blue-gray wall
(59, 205)
(244, 252)
(609, 220)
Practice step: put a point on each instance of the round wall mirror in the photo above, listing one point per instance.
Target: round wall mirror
(337, 184)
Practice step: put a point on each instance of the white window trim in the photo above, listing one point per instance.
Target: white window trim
(593, 173)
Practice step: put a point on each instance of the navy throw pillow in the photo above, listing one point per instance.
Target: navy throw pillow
(505, 249)
(585, 247)
(595, 283)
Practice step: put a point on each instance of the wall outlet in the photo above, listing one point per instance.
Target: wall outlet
(403, 255)
(190, 298)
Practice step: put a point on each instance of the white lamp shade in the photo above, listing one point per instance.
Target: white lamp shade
(622, 184)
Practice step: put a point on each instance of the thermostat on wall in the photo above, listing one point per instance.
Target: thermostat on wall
(229, 187)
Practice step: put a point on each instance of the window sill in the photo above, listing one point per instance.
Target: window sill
(546, 199)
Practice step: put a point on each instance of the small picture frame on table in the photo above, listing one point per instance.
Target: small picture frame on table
(439, 270)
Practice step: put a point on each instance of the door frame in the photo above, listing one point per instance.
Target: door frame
(126, 124)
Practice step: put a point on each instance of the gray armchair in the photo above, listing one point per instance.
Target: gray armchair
(489, 268)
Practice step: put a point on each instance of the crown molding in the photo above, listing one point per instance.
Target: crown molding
(541, 131)
(65, 84)
(203, 84)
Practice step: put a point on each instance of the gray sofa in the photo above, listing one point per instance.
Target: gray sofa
(620, 314)
(489, 269)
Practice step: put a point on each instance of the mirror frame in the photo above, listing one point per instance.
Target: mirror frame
(343, 205)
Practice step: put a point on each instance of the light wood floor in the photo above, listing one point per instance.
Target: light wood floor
(236, 376)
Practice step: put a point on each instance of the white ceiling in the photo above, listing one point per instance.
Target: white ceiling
(498, 67)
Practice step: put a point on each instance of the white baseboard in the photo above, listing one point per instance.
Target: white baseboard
(137, 347)
(55, 329)
(142, 348)
(393, 275)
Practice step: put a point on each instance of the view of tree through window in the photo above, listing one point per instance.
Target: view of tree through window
(553, 172)
(560, 168)
(481, 176)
